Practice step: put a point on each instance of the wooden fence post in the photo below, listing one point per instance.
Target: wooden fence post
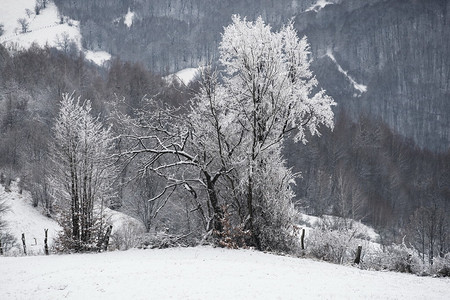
(358, 255)
(24, 245)
(106, 240)
(303, 239)
(45, 242)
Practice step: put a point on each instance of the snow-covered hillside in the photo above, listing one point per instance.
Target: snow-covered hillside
(45, 28)
(202, 273)
(184, 76)
(22, 217)
(11, 11)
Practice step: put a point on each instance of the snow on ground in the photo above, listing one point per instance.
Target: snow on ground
(319, 5)
(120, 220)
(184, 76)
(359, 87)
(23, 218)
(97, 57)
(11, 10)
(202, 273)
(129, 18)
(309, 222)
(44, 29)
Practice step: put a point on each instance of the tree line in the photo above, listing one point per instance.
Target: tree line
(168, 35)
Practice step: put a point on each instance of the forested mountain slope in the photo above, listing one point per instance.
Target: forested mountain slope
(384, 58)
(399, 51)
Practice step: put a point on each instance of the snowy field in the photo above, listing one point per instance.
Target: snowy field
(202, 273)
(44, 29)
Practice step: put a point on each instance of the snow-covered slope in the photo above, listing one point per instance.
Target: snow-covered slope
(202, 273)
(119, 220)
(128, 19)
(47, 28)
(97, 57)
(43, 29)
(319, 5)
(184, 76)
(361, 88)
(23, 218)
(11, 10)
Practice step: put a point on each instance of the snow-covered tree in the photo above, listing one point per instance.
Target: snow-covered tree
(141, 201)
(3, 234)
(24, 24)
(230, 143)
(38, 6)
(427, 231)
(3, 209)
(81, 173)
(268, 91)
(157, 147)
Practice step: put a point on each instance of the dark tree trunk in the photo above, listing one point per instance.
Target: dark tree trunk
(75, 204)
(106, 239)
(217, 210)
(250, 221)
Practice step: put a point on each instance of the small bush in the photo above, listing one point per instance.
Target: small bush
(165, 240)
(398, 258)
(232, 237)
(330, 245)
(65, 244)
(441, 266)
(335, 241)
(127, 236)
(444, 272)
(8, 241)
